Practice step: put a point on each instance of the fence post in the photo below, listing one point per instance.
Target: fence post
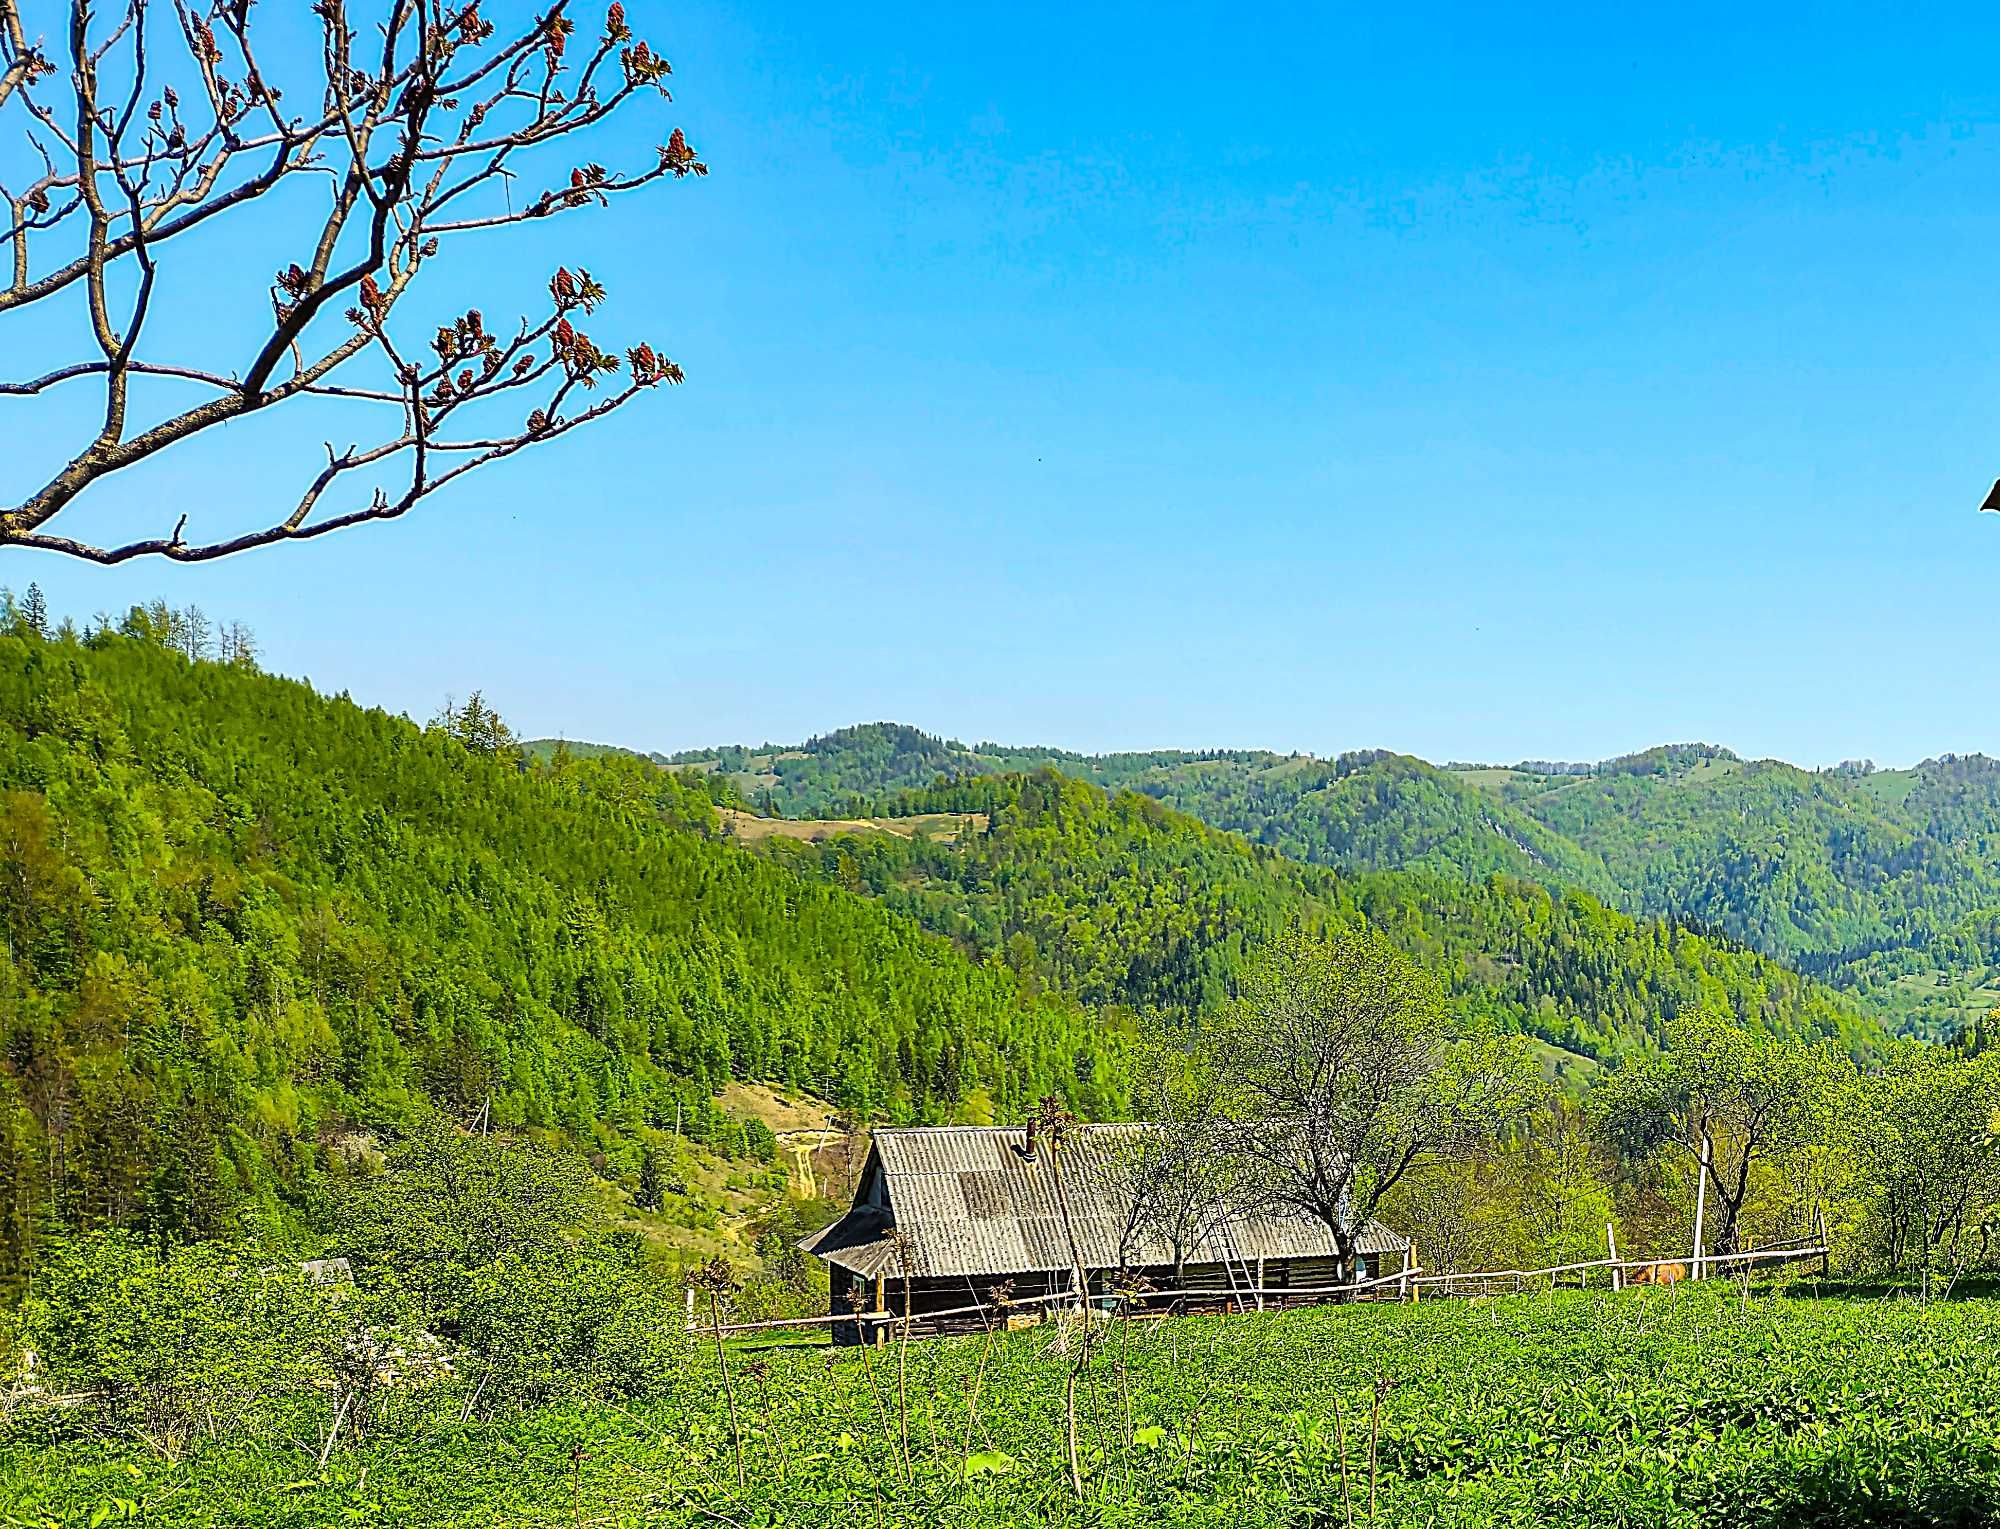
(1701, 1196)
(1406, 1291)
(1611, 1247)
(881, 1305)
(1825, 1246)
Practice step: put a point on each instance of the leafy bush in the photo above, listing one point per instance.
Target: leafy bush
(198, 1338)
(447, 1205)
(567, 1322)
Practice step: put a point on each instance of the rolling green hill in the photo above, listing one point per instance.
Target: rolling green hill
(546, 750)
(1363, 811)
(1884, 882)
(1877, 881)
(246, 924)
(1121, 901)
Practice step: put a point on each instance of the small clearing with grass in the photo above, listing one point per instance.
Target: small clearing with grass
(944, 827)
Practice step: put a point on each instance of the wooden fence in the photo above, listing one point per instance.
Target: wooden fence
(1499, 1281)
(1409, 1284)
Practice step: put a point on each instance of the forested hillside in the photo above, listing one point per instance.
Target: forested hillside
(1120, 900)
(1878, 880)
(1884, 882)
(242, 919)
(1365, 811)
(843, 772)
(823, 776)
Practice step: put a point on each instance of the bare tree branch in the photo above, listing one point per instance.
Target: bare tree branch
(424, 108)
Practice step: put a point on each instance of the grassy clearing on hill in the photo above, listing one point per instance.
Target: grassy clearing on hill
(1646, 1408)
(943, 827)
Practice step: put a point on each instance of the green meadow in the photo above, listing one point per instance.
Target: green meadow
(1705, 1406)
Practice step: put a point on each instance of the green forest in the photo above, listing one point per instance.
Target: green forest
(1121, 901)
(469, 1022)
(248, 925)
(243, 920)
(1883, 883)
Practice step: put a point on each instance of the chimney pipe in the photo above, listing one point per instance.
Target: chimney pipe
(1034, 1134)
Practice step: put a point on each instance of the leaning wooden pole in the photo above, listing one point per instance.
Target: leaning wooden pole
(1701, 1199)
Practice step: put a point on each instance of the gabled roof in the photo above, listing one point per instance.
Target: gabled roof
(968, 1201)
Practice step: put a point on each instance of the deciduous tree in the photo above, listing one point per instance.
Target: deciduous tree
(1928, 1147)
(1345, 1069)
(1184, 1177)
(1729, 1099)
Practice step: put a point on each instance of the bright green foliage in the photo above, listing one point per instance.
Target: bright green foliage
(446, 1204)
(1799, 864)
(1364, 810)
(1724, 1102)
(1565, 1201)
(1927, 1146)
(169, 1343)
(1112, 898)
(1541, 1198)
(1372, 810)
(239, 919)
(1681, 1411)
(1872, 879)
(570, 1320)
(824, 776)
(502, 1247)
(1122, 901)
(1860, 878)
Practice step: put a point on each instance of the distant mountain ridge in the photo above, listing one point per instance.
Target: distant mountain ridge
(1882, 881)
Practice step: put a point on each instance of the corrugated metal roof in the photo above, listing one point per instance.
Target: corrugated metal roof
(968, 1201)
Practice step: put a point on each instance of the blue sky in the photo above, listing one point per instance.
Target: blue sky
(1475, 381)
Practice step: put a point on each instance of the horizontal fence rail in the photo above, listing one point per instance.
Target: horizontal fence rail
(1406, 1281)
(1063, 1298)
(1706, 1264)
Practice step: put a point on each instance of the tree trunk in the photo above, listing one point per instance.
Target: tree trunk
(1344, 1251)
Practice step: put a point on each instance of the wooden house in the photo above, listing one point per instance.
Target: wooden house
(951, 1212)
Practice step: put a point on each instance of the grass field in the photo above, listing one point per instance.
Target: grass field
(1892, 786)
(1919, 1004)
(945, 827)
(1646, 1408)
